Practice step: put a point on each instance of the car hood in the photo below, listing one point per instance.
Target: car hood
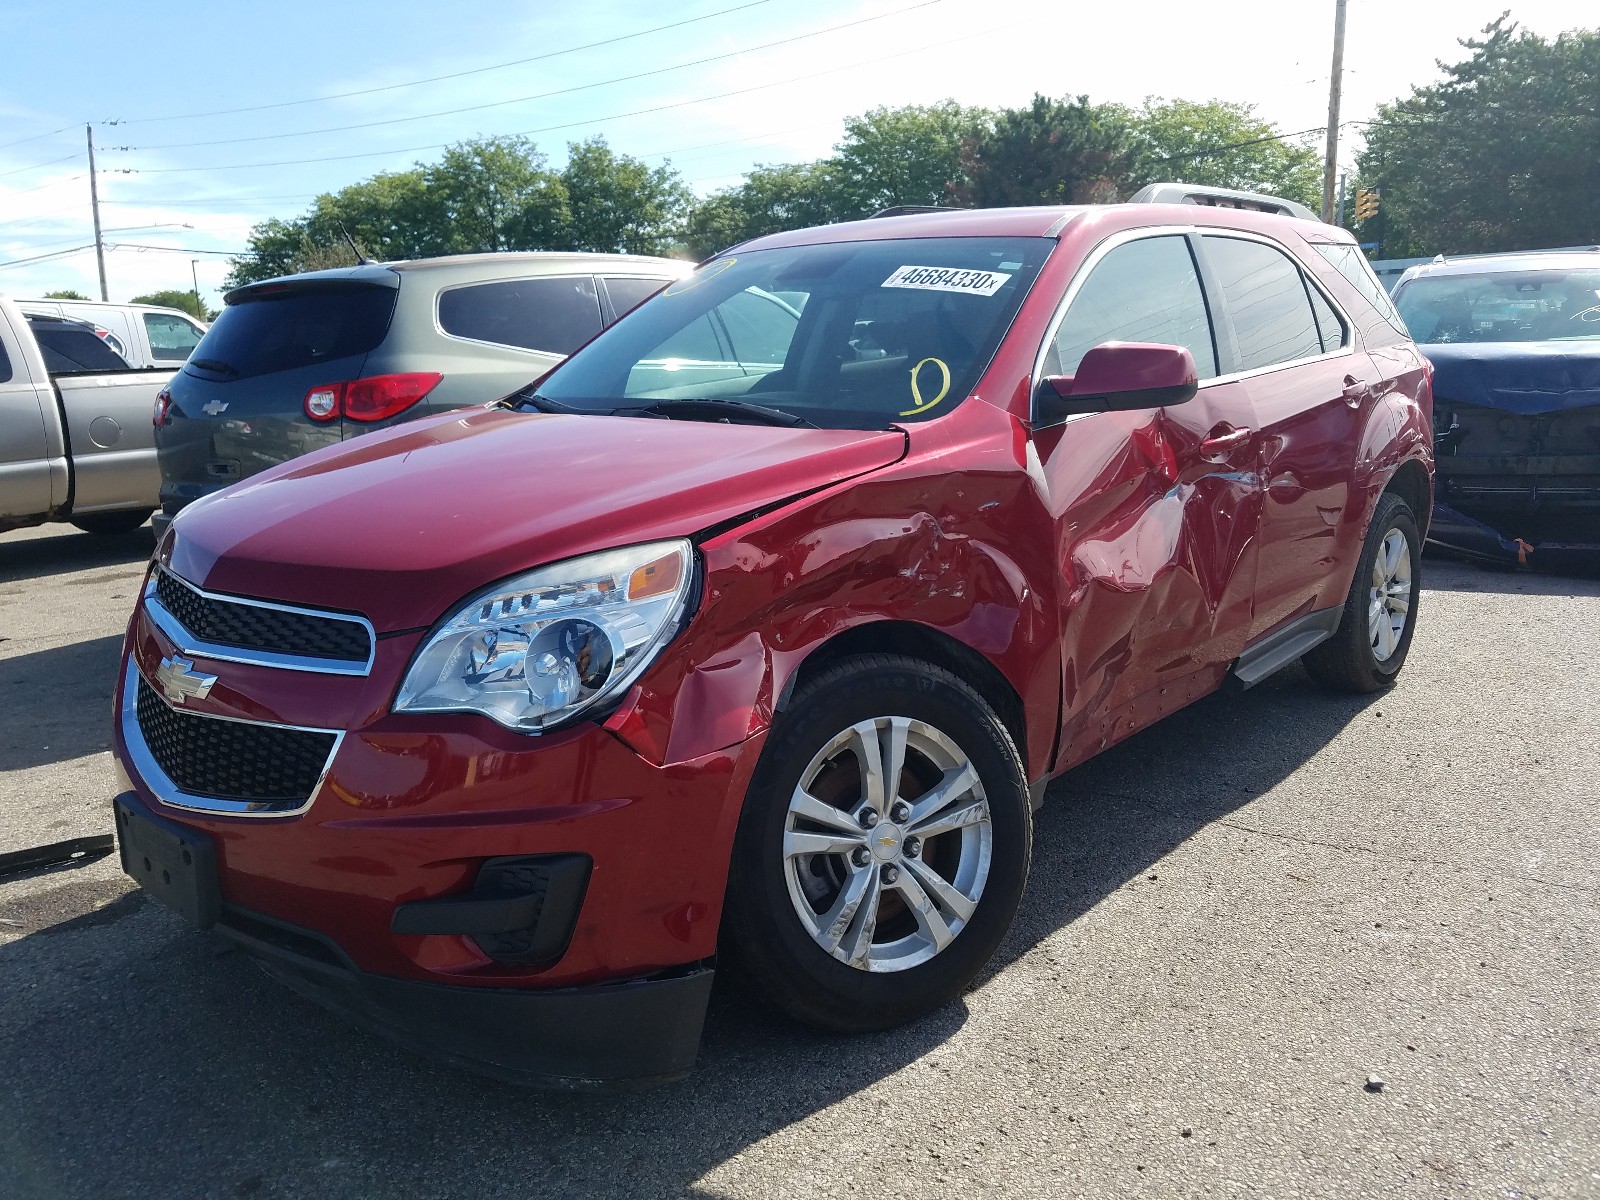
(1520, 377)
(400, 525)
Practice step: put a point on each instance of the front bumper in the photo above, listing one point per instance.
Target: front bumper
(351, 898)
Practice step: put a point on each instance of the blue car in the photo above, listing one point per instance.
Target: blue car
(1515, 344)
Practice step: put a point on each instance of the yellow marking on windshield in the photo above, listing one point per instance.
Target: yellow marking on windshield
(922, 405)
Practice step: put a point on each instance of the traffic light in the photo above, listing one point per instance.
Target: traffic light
(1367, 201)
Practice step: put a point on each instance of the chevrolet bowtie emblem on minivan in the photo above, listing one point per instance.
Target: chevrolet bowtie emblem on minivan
(213, 407)
(179, 680)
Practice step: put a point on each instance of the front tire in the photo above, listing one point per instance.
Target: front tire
(112, 524)
(883, 848)
(1380, 613)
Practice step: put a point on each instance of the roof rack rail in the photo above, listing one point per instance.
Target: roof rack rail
(1185, 193)
(1450, 258)
(906, 210)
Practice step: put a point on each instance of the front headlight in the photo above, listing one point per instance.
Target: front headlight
(556, 642)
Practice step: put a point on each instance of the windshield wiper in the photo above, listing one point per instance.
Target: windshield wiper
(528, 398)
(211, 364)
(707, 408)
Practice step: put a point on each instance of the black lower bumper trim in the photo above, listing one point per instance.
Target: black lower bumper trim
(634, 1034)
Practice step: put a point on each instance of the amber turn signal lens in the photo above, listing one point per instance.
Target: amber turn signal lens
(656, 578)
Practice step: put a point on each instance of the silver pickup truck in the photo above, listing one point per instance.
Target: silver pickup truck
(76, 439)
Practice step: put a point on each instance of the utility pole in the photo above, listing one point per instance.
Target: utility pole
(1338, 215)
(199, 309)
(1330, 167)
(94, 204)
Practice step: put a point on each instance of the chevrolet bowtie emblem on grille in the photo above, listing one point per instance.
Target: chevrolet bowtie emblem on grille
(213, 407)
(179, 680)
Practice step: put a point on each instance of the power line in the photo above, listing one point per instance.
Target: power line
(18, 262)
(581, 87)
(173, 249)
(36, 137)
(390, 87)
(638, 112)
(1276, 137)
(50, 183)
(37, 166)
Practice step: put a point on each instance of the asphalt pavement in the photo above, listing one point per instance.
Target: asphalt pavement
(1284, 944)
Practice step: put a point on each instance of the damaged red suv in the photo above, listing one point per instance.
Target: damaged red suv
(749, 637)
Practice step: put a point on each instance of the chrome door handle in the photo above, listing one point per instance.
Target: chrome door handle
(1355, 391)
(1218, 447)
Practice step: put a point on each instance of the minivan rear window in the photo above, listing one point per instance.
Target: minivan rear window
(299, 327)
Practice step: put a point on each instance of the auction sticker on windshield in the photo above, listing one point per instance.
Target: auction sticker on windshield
(947, 279)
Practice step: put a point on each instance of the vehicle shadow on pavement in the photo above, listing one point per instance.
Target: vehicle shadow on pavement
(55, 705)
(1440, 573)
(141, 1062)
(71, 550)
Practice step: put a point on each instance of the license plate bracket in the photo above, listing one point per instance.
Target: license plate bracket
(175, 864)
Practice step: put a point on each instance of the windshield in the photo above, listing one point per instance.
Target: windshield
(1503, 306)
(852, 335)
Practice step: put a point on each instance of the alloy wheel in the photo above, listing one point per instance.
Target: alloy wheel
(887, 844)
(1389, 597)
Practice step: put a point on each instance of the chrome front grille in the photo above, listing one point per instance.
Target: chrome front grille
(259, 632)
(222, 764)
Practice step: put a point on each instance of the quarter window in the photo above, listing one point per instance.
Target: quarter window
(1144, 291)
(1329, 325)
(1267, 302)
(627, 292)
(555, 314)
(172, 339)
(1353, 265)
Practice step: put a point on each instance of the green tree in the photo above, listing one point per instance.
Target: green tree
(492, 194)
(1499, 155)
(178, 298)
(66, 295)
(1221, 144)
(909, 155)
(771, 199)
(1052, 152)
(617, 204)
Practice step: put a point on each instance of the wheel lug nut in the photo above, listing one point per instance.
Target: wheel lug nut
(913, 847)
(900, 813)
(891, 874)
(869, 818)
(861, 856)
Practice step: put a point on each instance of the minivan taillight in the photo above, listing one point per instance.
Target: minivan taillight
(162, 413)
(374, 399)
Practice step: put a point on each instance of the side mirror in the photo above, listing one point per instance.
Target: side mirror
(1118, 376)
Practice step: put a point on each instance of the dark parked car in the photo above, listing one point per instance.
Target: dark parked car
(294, 364)
(1515, 344)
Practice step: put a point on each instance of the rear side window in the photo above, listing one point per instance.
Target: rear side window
(628, 292)
(70, 349)
(172, 339)
(300, 327)
(1144, 291)
(1353, 265)
(556, 313)
(1267, 302)
(5, 364)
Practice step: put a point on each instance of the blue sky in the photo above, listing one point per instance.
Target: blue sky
(198, 182)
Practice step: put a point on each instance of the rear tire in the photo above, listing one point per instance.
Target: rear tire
(112, 524)
(1380, 613)
(851, 920)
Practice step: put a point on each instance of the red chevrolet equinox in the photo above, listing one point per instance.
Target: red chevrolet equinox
(749, 637)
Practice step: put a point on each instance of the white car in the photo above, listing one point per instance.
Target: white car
(144, 334)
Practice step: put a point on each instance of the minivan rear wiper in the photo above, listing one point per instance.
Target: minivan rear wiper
(211, 364)
(706, 408)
